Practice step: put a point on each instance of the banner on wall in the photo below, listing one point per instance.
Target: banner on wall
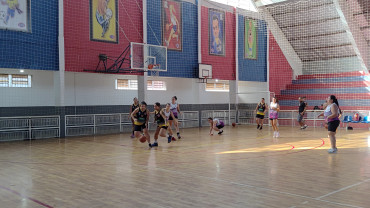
(15, 15)
(103, 21)
(250, 39)
(216, 32)
(172, 24)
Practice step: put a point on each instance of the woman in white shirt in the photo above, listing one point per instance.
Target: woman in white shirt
(331, 114)
(274, 109)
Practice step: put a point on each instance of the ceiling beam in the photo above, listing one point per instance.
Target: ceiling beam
(311, 22)
(327, 58)
(314, 36)
(324, 47)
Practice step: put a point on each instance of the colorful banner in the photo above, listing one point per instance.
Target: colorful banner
(15, 15)
(250, 36)
(103, 20)
(216, 32)
(172, 24)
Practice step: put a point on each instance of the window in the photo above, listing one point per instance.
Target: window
(220, 86)
(15, 80)
(156, 85)
(130, 84)
(126, 84)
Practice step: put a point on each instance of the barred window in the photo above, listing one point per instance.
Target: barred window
(156, 85)
(15, 80)
(130, 84)
(126, 84)
(217, 86)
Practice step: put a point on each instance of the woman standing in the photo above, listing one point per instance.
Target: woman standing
(332, 113)
(133, 107)
(274, 109)
(260, 113)
(175, 108)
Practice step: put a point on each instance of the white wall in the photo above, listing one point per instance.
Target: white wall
(96, 89)
(332, 66)
(252, 92)
(88, 89)
(188, 91)
(41, 92)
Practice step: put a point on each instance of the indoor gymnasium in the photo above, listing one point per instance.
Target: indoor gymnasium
(184, 103)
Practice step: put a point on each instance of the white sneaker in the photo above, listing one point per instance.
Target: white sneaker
(274, 134)
(305, 126)
(277, 134)
(332, 150)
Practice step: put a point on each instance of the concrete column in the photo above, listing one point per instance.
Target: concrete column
(59, 76)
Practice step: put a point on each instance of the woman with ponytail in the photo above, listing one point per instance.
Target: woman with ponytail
(331, 114)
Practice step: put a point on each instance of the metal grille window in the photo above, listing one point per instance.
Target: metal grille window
(156, 85)
(128, 84)
(15, 80)
(219, 86)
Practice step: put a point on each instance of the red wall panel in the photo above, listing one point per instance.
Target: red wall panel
(223, 67)
(280, 74)
(80, 52)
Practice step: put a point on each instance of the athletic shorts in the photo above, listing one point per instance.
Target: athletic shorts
(139, 127)
(333, 125)
(299, 117)
(260, 116)
(171, 118)
(220, 125)
(162, 126)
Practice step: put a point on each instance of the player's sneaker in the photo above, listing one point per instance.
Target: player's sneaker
(178, 135)
(220, 132)
(258, 126)
(332, 150)
(155, 144)
(150, 145)
(169, 138)
(174, 139)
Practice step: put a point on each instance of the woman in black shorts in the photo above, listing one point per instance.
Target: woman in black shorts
(331, 114)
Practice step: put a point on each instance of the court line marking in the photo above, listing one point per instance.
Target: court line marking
(250, 186)
(344, 188)
(25, 196)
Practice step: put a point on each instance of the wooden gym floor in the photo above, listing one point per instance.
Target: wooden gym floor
(242, 168)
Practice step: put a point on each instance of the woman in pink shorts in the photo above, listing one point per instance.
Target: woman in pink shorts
(274, 113)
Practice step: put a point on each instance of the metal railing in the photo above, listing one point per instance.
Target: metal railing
(93, 124)
(289, 117)
(226, 116)
(29, 127)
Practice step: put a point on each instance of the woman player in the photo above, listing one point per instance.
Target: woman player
(141, 118)
(161, 118)
(175, 108)
(260, 113)
(332, 113)
(133, 107)
(274, 109)
(216, 125)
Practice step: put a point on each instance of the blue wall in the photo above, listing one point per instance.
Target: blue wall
(253, 70)
(37, 49)
(180, 63)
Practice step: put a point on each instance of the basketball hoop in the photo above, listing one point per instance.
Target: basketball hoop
(203, 79)
(154, 66)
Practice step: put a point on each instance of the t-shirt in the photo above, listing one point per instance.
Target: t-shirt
(327, 113)
(302, 106)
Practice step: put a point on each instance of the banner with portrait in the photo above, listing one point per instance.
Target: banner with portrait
(216, 32)
(15, 15)
(172, 24)
(103, 21)
(250, 38)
